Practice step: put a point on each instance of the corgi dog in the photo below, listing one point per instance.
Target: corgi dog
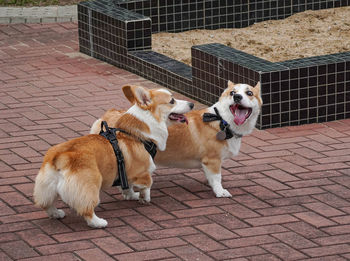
(211, 135)
(78, 169)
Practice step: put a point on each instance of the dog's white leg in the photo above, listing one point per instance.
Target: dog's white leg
(130, 194)
(145, 195)
(96, 222)
(214, 180)
(144, 183)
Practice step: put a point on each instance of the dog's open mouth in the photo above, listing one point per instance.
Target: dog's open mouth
(240, 113)
(178, 117)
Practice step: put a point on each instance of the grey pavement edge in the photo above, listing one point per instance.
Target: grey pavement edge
(39, 14)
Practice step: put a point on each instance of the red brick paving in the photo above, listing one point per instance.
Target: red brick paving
(290, 186)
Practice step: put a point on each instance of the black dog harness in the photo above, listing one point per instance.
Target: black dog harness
(111, 136)
(225, 133)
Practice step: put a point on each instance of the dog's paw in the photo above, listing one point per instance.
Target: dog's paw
(97, 222)
(60, 214)
(144, 201)
(56, 213)
(145, 196)
(223, 194)
(132, 196)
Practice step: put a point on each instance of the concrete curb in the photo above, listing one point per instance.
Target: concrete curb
(45, 14)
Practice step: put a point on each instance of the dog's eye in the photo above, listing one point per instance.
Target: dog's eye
(232, 93)
(172, 101)
(249, 93)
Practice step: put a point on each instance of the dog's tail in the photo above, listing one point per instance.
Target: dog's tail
(56, 177)
(45, 188)
(49, 177)
(96, 127)
(111, 116)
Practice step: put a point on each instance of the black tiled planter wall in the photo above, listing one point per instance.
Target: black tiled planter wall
(294, 92)
(308, 90)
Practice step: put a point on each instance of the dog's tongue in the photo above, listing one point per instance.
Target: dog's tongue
(178, 117)
(240, 116)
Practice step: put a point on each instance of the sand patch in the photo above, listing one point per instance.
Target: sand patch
(305, 34)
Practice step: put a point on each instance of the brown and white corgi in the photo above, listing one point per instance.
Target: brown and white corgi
(76, 170)
(204, 141)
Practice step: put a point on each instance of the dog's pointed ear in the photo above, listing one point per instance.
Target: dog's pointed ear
(230, 84)
(137, 94)
(258, 87)
(257, 92)
(128, 93)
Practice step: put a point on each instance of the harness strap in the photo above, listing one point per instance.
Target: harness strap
(111, 136)
(224, 126)
(149, 145)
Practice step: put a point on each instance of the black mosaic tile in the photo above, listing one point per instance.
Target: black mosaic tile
(294, 92)
(239, 57)
(164, 62)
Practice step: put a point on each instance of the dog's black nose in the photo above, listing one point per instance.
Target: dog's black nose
(237, 97)
(191, 105)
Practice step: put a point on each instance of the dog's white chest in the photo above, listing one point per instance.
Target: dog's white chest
(152, 166)
(233, 146)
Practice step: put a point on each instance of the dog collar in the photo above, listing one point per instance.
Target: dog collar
(111, 136)
(225, 132)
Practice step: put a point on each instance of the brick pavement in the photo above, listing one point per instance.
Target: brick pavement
(290, 186)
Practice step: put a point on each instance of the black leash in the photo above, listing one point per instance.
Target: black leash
(225, 133)
(111, 136)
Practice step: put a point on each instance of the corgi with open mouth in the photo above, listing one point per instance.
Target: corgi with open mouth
(78, 169)
(211, 135)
